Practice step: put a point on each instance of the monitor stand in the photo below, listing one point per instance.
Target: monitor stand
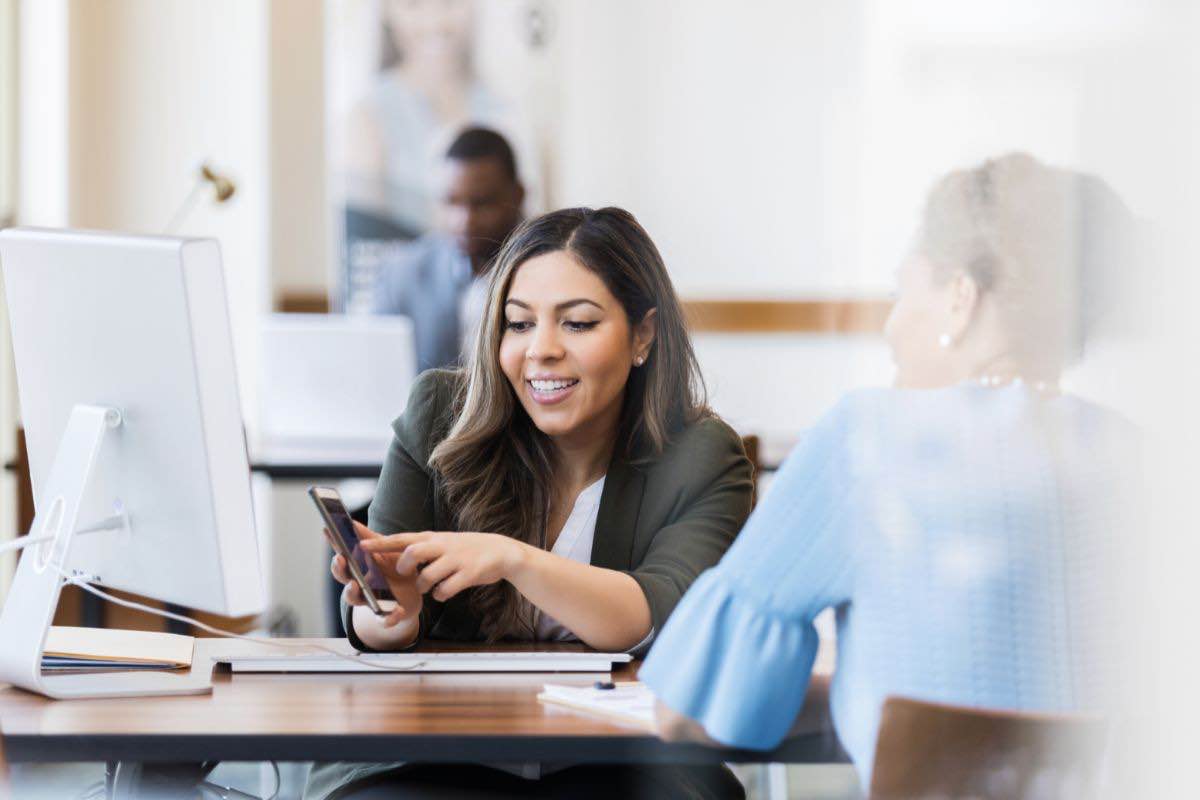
(33, 597)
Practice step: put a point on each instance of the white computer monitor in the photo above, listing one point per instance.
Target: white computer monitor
(306, 411)
(136, 328)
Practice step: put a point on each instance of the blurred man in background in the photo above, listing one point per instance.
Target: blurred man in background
(442, 285)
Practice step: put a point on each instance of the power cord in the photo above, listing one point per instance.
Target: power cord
(114, 522)
(24, 541)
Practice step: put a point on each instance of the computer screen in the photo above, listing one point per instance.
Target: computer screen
(140, 324)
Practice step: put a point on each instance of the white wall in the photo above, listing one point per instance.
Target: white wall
(8, 186)
(35, 180)
(948, 83)
(784, 147)
(301, 253)
(42, 118)
(156, 89)
(729, 129)
(8, 110)
(804, 376)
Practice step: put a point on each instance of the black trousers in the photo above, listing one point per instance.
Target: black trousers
(587, 782)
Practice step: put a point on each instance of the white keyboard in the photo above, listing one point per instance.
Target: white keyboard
(430, 662)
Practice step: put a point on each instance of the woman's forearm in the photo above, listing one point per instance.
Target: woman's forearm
(606, 609)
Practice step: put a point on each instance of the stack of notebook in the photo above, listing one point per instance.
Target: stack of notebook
(88, 649)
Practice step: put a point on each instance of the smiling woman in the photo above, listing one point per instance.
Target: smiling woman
(569, 484)
(553, 347)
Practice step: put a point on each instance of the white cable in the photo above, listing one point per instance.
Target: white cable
(94, 790)
(113, 523)
(82, 582)
(24, 541)
(278, 781)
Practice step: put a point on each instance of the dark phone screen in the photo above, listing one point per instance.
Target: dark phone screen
(344, 528)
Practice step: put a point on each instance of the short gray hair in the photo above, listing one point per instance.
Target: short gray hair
(1048, 244)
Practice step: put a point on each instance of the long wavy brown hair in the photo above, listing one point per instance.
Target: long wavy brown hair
(495, 468)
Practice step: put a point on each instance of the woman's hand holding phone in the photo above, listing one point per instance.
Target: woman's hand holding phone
(403, 588)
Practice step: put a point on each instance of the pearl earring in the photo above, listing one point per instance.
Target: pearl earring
(944, 341)
(637, 362)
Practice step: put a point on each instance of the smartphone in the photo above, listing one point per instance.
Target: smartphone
(339, 530)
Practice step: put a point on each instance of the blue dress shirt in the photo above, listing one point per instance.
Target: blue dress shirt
(965, 537)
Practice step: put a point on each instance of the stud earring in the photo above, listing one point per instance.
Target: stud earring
(944, 341)
(638, 361)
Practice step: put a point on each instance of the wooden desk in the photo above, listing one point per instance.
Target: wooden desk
(317, 460)
(362, 717)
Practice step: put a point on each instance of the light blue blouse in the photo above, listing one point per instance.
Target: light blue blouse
(964, 537)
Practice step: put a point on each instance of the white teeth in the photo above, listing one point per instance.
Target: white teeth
(551, 386)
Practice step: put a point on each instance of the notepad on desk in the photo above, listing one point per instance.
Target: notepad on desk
(630, 702)
(69, 648)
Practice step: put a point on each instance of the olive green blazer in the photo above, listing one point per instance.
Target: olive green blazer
(662, 520)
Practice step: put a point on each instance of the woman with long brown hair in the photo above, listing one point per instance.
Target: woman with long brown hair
(569, 484)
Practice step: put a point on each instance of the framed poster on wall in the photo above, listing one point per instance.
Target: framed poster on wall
(403, 78)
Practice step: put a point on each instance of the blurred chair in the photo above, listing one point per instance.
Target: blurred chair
(294, 301)
(4, 787)
(929, 750)
(750, 444)
(20, 466)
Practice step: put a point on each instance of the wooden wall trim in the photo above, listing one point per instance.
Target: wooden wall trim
(786, 316)
(720, 316)
(302, 301)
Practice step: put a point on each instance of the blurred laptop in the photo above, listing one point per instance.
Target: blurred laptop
(331, 386)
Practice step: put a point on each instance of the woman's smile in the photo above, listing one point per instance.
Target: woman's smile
(550, 390)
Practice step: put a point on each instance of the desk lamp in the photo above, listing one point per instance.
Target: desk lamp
(223, 189)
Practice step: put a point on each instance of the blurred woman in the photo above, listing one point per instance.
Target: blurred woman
(961, 523)
(568, 486)
(427, 89)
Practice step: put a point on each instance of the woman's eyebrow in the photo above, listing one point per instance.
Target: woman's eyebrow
(559, 307)
(577, 302)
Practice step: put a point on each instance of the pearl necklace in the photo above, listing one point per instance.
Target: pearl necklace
(994, 381)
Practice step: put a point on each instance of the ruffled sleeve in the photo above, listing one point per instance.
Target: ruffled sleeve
(738, 670)
(737, 653)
